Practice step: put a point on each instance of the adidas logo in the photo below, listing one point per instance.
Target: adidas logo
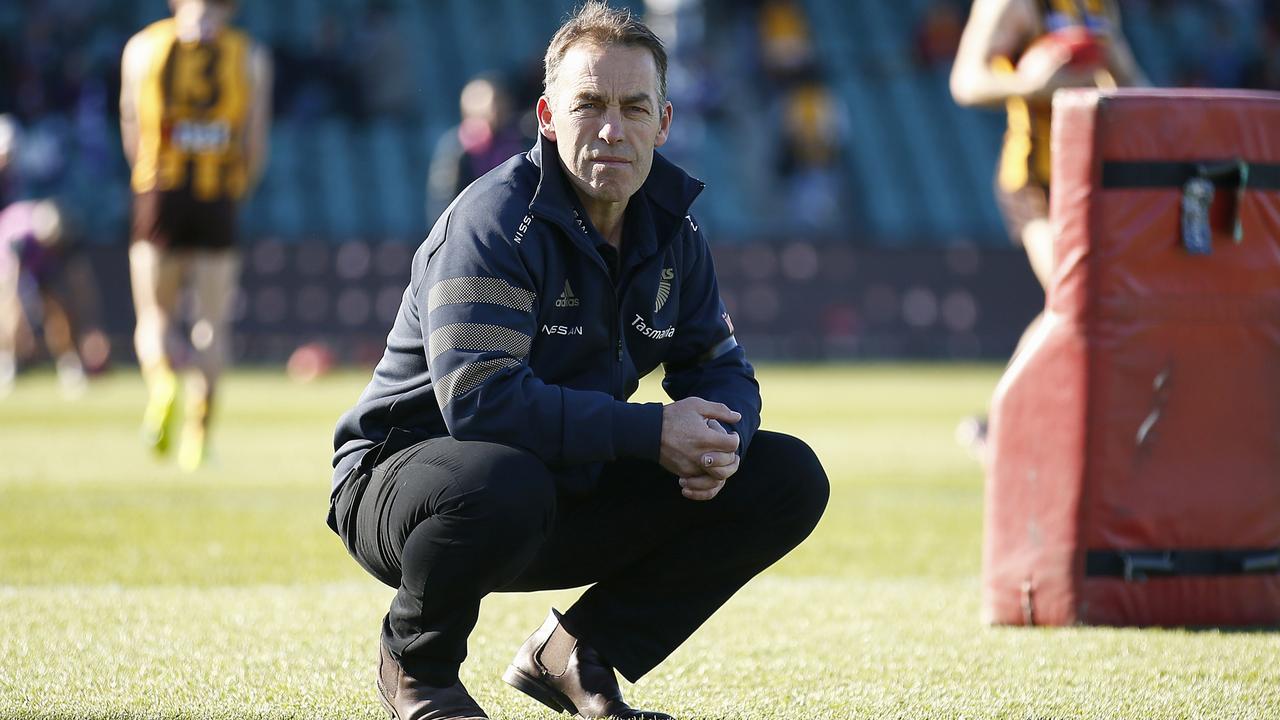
(567, 299)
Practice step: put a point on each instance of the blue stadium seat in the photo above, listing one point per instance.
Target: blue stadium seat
(733, 187)
(398, 180)
(283, 205)
(926, 175)
(877, 167)
(338, 200)
(472, 42)
(258, 19)
(523, 44)
(428, 53)
(980, 135)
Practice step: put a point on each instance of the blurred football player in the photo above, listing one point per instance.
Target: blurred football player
(1016, 53)
(33, 294)
(194, 113)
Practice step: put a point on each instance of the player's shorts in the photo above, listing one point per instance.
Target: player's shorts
(174, 219)
(1019, 207)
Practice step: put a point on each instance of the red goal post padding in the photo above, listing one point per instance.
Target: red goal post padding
(1134, 467)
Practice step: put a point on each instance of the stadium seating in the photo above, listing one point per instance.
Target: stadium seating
(328, 179)
(927, 179)
(918, 168)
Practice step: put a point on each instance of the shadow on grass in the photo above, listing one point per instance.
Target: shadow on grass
(117, 714)
(1234, 630)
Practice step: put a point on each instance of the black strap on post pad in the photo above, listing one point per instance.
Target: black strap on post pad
(1151, 174)
(1199, 182)
(1139, 565)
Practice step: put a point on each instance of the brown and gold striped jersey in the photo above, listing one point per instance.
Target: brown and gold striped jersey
(1025, 156)
(192, 105)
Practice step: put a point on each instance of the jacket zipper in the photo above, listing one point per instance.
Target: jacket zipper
(615, 322)
(615, 331)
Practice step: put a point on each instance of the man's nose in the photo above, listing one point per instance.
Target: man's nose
(611, 130)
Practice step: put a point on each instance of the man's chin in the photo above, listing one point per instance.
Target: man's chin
(605, 187)
(611, 191)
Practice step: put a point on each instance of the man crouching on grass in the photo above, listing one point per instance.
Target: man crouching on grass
(495, 449)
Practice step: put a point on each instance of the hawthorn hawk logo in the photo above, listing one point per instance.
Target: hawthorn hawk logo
(664, 288)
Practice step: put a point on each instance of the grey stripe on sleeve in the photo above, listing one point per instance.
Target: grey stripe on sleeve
(468, 377)
(717, 350)
(493, 291)
(480, 338)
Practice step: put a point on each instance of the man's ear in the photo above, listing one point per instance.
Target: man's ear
(545, 126)
(664, 125)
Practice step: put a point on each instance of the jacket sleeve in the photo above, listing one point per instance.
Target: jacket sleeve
(706, 360)
(478, 306)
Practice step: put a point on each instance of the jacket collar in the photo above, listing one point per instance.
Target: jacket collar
(667, 188)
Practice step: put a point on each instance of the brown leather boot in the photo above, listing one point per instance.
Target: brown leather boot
(557, 670)
(408, 698)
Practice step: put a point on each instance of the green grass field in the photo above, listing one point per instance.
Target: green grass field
(128, 590)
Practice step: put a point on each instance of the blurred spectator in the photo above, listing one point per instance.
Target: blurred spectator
(786, 47)
(810, 117)
(937, 35)
(488, 136)
(809, 163)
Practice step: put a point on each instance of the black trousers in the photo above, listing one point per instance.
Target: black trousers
(447, 522)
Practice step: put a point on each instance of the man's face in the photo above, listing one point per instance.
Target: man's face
(202, 18)
(605, 116)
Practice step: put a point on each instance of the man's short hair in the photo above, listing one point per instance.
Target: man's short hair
(229, 4)
(596, 22)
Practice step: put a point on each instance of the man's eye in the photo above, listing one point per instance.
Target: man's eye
(585, 106)
(638, 108)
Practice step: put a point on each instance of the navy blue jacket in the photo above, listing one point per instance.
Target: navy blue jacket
(512, 329)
